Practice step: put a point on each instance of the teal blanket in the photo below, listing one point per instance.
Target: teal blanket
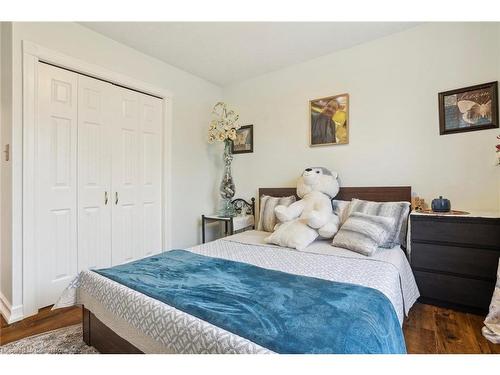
(283, 312)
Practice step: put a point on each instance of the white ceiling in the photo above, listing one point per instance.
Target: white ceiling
(225, 53)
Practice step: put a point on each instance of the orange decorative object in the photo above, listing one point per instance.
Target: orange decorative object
(418, 204)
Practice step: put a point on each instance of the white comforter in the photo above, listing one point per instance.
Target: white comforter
(162, 328)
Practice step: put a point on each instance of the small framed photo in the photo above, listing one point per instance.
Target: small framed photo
(329, 120)
(244, 140)
(468, 109)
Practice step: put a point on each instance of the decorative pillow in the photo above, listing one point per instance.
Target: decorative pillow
(295, 234)
(397, 210)
(363, 233)
(267, 217)
(341, 209)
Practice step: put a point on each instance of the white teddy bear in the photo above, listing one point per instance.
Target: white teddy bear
(310, 216)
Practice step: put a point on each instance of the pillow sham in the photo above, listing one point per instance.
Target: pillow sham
(303, 235)
(363, 233)
(341, 209)
(397, 210)
(267, 217)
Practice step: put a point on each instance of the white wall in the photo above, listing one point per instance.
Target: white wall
(5, 167)
(393, 85)
(194, 172)
(1, 114)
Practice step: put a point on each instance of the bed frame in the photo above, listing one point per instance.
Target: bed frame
(376, 194)
(105, 340)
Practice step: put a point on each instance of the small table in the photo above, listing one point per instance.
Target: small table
(244, 218)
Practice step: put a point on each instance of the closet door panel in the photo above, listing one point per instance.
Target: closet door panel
(126, 215)
(56, 182)
(94, 173)
(151, 176)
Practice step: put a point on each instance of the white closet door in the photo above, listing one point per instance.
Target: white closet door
(56, 182)
(137, 176)
(94, 173)
(151, 116)
(127, 215)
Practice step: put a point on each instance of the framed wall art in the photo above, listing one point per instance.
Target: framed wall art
(244, 140)
(468, 109)
(329, 120)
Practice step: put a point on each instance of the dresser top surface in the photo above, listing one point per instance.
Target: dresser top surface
(471, 213)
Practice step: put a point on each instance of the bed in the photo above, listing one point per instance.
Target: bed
(121, 319)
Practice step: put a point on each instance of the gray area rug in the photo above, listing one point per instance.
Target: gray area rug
(66, 340)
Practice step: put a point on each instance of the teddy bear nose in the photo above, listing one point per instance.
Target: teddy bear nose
(308, 169)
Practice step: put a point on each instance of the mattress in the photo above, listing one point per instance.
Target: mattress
(155, 327)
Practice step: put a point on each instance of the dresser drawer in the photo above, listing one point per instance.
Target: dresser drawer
(479, 233)
(455, 290)
(460, 260)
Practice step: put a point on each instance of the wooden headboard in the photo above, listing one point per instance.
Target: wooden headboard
(371, 193)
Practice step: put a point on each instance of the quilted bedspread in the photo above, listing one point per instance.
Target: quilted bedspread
(157, 327)
(283, 312)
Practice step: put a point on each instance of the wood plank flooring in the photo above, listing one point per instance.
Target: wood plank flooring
(45, 320)
(428, 329)
(435, 330)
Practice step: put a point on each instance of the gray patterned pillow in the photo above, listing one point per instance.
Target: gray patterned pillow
(267, 217)
(397, 210)
(341, 209)
(363, 233)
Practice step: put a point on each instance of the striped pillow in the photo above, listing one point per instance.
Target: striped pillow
(341, 209)
(267, 217)
(397, 210)
(363, 233)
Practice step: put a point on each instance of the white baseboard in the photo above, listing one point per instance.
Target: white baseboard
(4, 307)
(16, 314)
(10, 313)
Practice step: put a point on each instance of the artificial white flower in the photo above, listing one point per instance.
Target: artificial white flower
(223, 124)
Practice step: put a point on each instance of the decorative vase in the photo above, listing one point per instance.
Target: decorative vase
(227, 188)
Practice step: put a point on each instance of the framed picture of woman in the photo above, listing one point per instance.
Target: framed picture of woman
(329, 120)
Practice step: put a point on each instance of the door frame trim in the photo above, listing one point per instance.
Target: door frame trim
(32, 54)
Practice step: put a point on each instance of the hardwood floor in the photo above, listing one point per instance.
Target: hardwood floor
(45, 320)
(435, 330)
(428, 329)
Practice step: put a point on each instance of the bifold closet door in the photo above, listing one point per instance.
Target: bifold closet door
(151, 119)
(56, 182)
(126, 221)
(137, 155)
(95, 121)
(98, 182)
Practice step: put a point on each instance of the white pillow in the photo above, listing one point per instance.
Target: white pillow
(295, 234)
(267, 217)
(363, 233)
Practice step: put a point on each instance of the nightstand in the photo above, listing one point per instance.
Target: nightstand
(243, 219)
(455, 259)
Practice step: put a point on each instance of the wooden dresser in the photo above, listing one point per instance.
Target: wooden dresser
(455, 259)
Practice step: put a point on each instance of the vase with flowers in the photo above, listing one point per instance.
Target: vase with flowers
(223, 128)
